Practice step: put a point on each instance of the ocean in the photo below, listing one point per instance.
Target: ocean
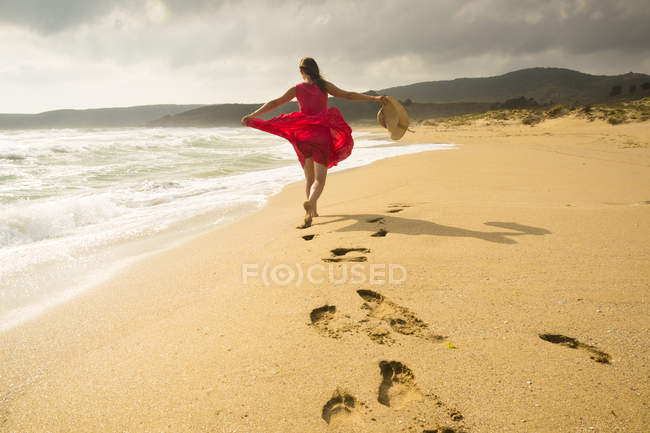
(78, 204)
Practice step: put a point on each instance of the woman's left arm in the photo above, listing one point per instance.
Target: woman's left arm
(288, 96)
(352, 96)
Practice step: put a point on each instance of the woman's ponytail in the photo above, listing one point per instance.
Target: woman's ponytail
(309, 67)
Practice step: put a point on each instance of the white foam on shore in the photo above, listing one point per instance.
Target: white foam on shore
(69, 233)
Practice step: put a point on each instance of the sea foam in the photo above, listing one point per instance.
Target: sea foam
(72, 199)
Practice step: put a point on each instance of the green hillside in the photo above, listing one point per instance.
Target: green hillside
(545, 85)
(92, 118)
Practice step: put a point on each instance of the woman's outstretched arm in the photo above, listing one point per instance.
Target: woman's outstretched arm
(288, 96)
(352, 96)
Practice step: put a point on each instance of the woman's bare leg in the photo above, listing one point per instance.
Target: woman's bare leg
(308, 168)
(320, 174)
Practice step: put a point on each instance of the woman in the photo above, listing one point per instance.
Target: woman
(319, 135)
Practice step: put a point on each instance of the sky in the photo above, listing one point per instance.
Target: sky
(108, 53)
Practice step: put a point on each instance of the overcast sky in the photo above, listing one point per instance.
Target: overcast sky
(100, 53)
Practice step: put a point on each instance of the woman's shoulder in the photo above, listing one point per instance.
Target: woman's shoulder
(333, 90)
(302, 86)
(309, 87)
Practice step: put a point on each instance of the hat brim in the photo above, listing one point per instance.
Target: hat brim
(393, 116)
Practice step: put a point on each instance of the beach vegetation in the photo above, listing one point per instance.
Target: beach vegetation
(615, 113)
(557, 110)
(498, 115)
(616, 119)
(532, 118)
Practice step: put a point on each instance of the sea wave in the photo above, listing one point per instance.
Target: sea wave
(67, 195)
(28, 221)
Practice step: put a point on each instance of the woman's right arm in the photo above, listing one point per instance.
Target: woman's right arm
(352, 96)
(288, 96)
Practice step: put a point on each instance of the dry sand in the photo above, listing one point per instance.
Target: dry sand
(520, 231)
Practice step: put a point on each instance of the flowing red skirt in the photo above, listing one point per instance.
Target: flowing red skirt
(325, 136)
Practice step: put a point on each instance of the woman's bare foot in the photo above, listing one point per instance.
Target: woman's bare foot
(312, 210)
(308, 213)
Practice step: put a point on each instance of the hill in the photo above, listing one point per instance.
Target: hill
(545, 85)
(231, 114)
(518, 89)
(92, 118)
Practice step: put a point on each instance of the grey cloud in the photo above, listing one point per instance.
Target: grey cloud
(498, 26)
(369, 28)
(51, 16)
(372, 30)
(364, 43)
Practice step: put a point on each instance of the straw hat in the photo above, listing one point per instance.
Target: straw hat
(393, 117)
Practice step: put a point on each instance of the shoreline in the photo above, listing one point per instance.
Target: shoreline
(515, 235)
(75, 273)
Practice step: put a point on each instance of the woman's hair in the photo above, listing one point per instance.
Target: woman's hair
(309, 67)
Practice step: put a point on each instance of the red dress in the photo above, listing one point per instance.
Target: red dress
(315, 131)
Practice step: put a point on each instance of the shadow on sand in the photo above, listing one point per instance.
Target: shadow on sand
(408, 226)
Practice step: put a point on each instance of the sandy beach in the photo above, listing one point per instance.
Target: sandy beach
(501, 286)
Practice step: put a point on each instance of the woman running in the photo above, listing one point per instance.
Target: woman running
(319, 135)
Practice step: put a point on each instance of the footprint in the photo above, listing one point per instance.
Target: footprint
(344, 251)
(328, 323)
(398, 390)
(399, 318)
(572, 343)
(308, 237)
(382, 232)
(398, 385)
(341, 408)
(345, 259)
(320, 318)
(383, 318)
(397, 207)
